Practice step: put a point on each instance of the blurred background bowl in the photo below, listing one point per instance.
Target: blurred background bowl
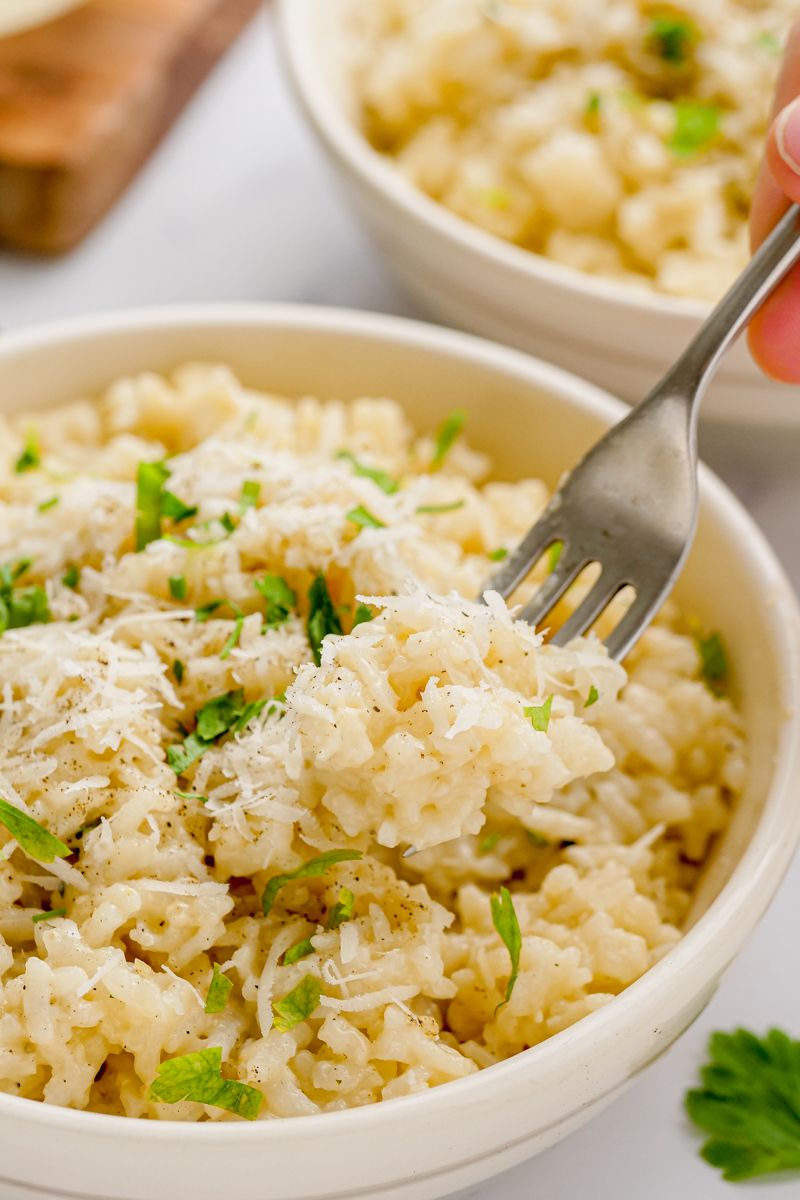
(533, 420)
(616, 336)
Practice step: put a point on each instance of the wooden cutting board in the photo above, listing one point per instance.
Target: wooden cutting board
(86, 98)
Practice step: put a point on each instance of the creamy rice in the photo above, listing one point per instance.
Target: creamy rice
(411, 731)
(620, 137)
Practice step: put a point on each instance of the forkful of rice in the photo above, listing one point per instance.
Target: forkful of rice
(630, 505)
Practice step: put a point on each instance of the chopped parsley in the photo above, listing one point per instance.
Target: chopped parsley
(46, 916)
(363, 614)
(51, 503)
(593, 697)
(178, 670)
(198, 1077)
(489, 842)
(310, 870)
(713, 659)
(343, 909)
(299, 1004)
(21, 606)
(322, 616)
(446, 435)
(224, 714)
(37, 843)
(504, 919)
(301, 950)
(192, 796)
(498, 555)
(226, 521)
(218, 991)
(177, 587)
(672, 39)
(592, 109)
(539, 715)
(233, 636)
(440, 508)
(249, 497)
(536, 838)
(696, 126)
(384, 481)
(363, 519)
(750, 1104)
(279, 599)
(553, 555)
(30, 457)
(153, 503)
(495, 197)
(769, 42)
(72, 576)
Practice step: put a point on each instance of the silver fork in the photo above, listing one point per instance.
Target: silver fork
(631, 503)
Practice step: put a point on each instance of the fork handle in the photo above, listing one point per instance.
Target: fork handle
(691, 374)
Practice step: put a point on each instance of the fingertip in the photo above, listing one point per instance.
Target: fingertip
(783, 150)
(774, 333)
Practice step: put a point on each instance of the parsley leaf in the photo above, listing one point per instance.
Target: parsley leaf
(322, 616)
(20, 607)
(174, 508)
(489, 842)
(205, 611)
(192, 796)
(363, 614)
(553, 555)
(177, 587)
(30, 456)
(299, 1004)
(504, 919)
(178, 670)
(540, 715)
(713, 659)
(72, 576)
(750, 1104)
(34, 839)
(249, 497)
(696, 126)
(233, 636)
(672, 39)
(218, 991)
(198, 1077)
(46, 916)
(310, 870)
(593, 697)
(536, 838)
(446, 435)
(365, 520)
(498, 555)
(301, 950)
(216, 717)
(343, 909)
(769, 42)
(43, 507)
(153, 503)
(440, 508)
(279, 599)
(251, 710)
(384, 481)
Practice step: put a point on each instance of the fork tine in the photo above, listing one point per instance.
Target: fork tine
(644, 607)
(589, 609)
(552, 589)
(524, 558)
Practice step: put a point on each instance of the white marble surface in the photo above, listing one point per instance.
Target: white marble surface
(238, 204)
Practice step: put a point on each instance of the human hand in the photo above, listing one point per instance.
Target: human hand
(774, 333)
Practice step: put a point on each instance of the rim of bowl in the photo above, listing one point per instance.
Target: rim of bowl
(752, 885)
(348, 144)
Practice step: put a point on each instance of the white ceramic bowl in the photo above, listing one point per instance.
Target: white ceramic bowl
(16, 15)
(532, 419)
(619, 337)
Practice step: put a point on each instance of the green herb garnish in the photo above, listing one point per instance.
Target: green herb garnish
(363, 614)
(177, 587)
(178, 670)
(233, 636)
(672, 39)
(498, 555)
(71, 577)
(301, 950)
(504, 919)
(206, 611)
(215, 718)
(249, 497)
(46, 916)
(769, 42)
(365, 520)
(30, 457)
(540, 715)
(384, 481)
(750, 1104)
(51, 503)
(593, 697)
(279, 599)
(299, 1004)
(446, 435)
(593, 105)
(34, 839)
(322, 616)
(192, 796)
(20, 607)
(343, 909)
(310, 870)
(440, 508)
(153, 503)
(198, 1077)
(218, 991)
(553, 555)
(536, 838)
(696, 126)
(713, 659)
(489, 842)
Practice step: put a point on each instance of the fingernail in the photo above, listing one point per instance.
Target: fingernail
(787, 135)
